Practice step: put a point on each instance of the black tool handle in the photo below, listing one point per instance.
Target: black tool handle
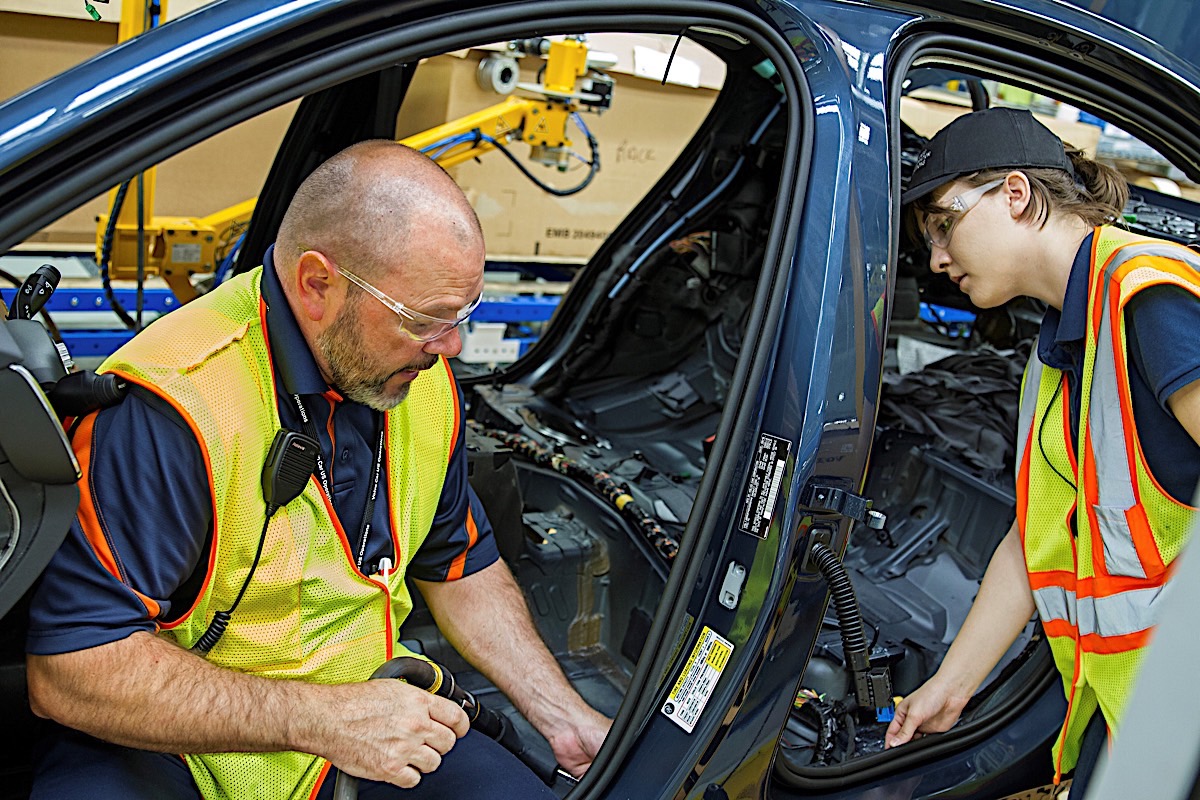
(437, 679)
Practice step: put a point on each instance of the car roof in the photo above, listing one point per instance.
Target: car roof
(1171, 24)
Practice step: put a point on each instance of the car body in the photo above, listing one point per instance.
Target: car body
(802, 171)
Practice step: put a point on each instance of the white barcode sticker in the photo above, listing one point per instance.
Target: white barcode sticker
(762, 484)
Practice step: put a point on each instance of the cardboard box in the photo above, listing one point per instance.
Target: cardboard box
(927, 117)
(639, 137)
(34, 48)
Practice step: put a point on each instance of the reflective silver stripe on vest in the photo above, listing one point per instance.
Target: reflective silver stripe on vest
(1055, 602)
(1119, 614)
(1115, 483)
(1029, 395)
(1113, 476)
(1116, 615)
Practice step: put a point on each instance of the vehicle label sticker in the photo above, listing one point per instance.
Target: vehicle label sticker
(766, 474)
(185, 253)
(698, 679)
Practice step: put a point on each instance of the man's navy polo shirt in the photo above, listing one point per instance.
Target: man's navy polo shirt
(148, 502)
(1164, 352)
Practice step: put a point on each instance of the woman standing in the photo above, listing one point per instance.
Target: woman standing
(1109, 432)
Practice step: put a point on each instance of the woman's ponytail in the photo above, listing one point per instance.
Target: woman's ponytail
(1106, 190)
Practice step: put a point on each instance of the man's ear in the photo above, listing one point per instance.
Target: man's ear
(1017, 192)
(319, 295)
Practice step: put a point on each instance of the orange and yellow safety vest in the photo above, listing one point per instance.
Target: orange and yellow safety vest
(1098, 547)
(308, 614)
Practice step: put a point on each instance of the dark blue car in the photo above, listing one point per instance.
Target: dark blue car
(699, 426)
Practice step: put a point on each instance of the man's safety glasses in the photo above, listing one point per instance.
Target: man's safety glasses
(415, 325)
(939, 227)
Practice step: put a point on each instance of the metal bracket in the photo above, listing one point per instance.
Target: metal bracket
(731, 588)
(822, 534)
(840, 501)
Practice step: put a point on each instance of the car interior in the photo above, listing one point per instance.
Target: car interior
(589, 468)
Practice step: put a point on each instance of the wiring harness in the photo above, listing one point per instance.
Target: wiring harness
(601, 482)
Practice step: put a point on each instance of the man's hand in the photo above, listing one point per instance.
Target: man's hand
(933, 708)
(387, 730)
(383, 730)
(576, 743)
(484, 616)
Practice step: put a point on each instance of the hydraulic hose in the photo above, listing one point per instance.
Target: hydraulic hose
(437, 149)
(106, 247)
(845, 603)
(436, 679)
(872, 685)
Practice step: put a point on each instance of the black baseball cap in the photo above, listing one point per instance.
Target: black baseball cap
(988, 139)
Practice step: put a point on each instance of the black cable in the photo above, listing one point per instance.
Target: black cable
(671, 57)
(594, 165)
(216, 629)
(106, 246)
(601, 482)
(850, 623)
(1041, 427)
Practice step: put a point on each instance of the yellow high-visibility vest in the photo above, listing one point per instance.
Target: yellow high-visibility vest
(1097, 592)
(308, 614)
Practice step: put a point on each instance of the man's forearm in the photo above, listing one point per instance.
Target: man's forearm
(148, 693)
(485, 617)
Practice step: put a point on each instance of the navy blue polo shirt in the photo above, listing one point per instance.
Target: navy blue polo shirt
(1163, 354)
(138, 549)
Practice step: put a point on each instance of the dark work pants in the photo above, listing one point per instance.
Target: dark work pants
(73, 765)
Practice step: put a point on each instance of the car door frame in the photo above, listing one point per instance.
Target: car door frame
(76, 136)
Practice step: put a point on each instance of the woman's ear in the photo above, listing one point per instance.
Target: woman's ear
(1017, 192)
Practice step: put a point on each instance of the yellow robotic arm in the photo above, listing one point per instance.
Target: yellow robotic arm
(177, 248)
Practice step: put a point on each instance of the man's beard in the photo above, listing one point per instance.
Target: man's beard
(354, 369)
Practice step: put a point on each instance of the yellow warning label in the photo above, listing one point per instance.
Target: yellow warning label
(698, 679)
(718, 654)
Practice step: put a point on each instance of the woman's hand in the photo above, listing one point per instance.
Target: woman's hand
(932, 708)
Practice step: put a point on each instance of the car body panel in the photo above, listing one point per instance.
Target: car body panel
(817, 334)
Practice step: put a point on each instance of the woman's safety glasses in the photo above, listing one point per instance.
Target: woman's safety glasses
(415, 325)
(939, 227)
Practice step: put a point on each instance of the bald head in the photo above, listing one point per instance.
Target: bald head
(361, 206)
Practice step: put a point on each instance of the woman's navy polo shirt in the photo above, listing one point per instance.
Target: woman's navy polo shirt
(148, 489)
(1161, 324)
